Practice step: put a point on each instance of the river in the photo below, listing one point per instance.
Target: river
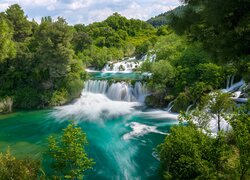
(121, 132)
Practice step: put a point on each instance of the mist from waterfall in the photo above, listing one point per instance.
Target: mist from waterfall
(101, 100)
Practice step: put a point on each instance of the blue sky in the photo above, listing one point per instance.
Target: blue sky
(88, 11)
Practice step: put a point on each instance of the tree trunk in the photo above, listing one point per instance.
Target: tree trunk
(218, 116)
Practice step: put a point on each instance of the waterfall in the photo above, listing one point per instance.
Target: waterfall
(127, 65)
(234, 87)
(170, 106)
(232, 81)
(228, 81)
(119, 91)
(150, 58)
(188, 108)
(100, 100)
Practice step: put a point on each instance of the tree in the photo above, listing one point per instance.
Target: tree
(7, 47)
(12, 168)
(187, 153)
(241, 129)
(221, 27)
(22, 27)
(53, 52)
(69, 158)
(218, 105)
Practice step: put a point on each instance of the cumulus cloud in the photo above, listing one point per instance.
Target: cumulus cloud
(88, 11)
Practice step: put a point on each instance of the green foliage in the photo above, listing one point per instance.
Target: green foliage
(12, 168)
(162, 31)
(164, 18)
(98, 57)
(7, 48)
(45, 64)
(69, 159)
(211, 74)
(142, 49)
(221, 27)
(241, 129)
(59, 98)
(182, 102)
(22, 27)
(188, 153)
(219, 105)
(170, 47)
(26, 98)
(163, 73)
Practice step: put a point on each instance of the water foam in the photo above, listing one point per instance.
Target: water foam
(92, 106)
(139, 129)
(99, 100)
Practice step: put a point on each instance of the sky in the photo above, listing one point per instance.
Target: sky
(89, 11)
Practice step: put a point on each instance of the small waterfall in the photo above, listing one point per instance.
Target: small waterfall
(170, 106)
(119, 91)
(127, 65)
(232, 81)
(228, 82)
(188, 108)
(151, 58)
(234, 87)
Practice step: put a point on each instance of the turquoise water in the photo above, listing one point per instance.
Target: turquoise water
(122, 135)
(115, 76)
(119, 151)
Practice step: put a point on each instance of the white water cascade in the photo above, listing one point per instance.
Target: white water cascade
(126, 66)
(100, 100)
(119, 91)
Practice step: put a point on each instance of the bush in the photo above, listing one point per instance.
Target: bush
(59, 97)
(68, 155)
(12, 168)
(27, 98)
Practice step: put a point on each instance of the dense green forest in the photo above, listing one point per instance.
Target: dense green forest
(198, 46)
(43, 64)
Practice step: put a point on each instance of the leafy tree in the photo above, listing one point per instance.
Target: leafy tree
(12, 168)
(7, 48)
(170, 47)
(81, 41)
(211, 74)
(218, 105)
(162, 31)
(142, 49)
(188, 153)
(221, 27)
(22, 27)
(241, 129)
(69, 159)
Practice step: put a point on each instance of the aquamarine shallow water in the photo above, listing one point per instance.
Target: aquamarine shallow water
(119, 152)
(116, 76)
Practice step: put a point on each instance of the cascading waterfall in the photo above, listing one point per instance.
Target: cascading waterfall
(230, 81)
(170, 106)
(119, 91)
(127, 65)
(99, 100)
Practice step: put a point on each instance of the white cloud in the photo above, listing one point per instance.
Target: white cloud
(88, 11)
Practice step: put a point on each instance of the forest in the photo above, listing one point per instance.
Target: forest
(199, 47)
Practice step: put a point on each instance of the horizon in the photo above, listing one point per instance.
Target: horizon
(89, 11)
